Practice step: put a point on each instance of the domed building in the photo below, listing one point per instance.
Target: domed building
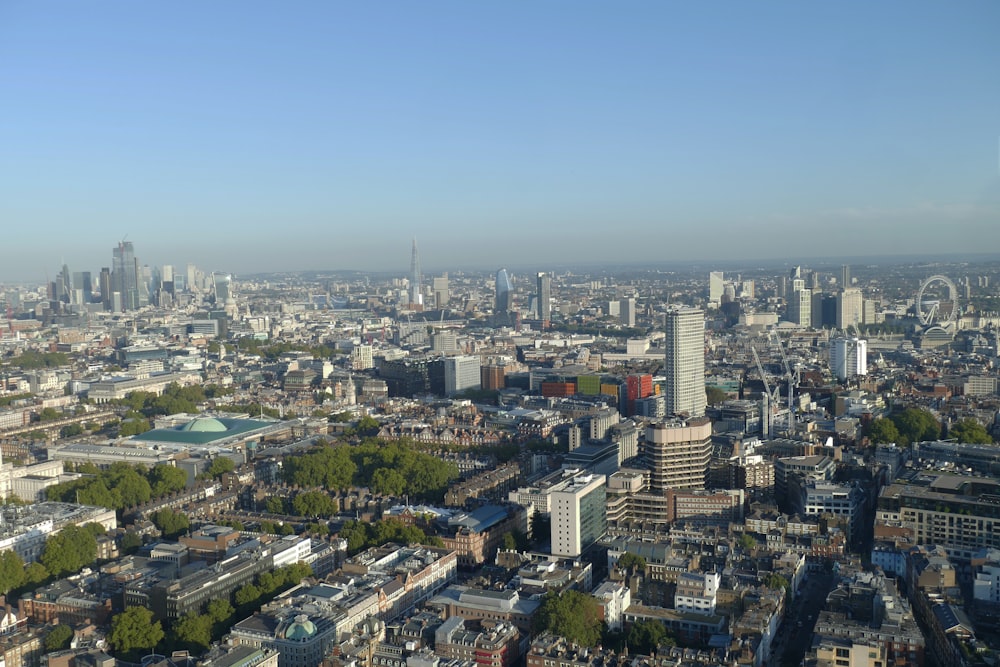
(302, 634)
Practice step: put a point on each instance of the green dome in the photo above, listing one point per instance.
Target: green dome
(204, 425)
(302, 628)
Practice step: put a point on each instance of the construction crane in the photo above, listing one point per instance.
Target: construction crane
(770, 397)
(792, 379)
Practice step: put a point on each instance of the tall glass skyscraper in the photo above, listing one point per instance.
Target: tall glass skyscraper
(504, 293)
(684, 365)
(124, 276)
(544, 298)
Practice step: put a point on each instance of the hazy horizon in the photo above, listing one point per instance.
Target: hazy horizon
(252, 137)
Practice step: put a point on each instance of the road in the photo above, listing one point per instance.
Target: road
(795, 634)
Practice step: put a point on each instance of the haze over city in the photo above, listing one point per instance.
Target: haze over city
(255, 137)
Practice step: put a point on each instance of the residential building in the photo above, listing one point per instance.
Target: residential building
(684, 362)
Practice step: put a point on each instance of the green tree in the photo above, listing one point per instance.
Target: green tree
(916, 425)
(130, 543)
(220, 466)
(58, 638)
(12, 573)
(631, 562)
(747, 542)
(70, 430)
(884, 430)
(644, 637)
(775, 580)
(508, 543)
(164, 480)
(134, 630)
(49, 414)
(275, 505)
(69, 551)
(714, 395)
(219, 610)
(327, 467)
(133, 427)
(970, 431)
(367, 426)
(247, 595)
(35, 573)
(194, 631)
(387, 482)
(314, 503)
(570, 614)
(172, 524)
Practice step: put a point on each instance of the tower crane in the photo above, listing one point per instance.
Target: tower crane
(770, 397)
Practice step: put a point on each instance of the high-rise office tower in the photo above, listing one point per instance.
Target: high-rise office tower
(678, 454)
(222, 287)
(440, 287)
(850, 308)
(578, 507)
(124, 275)
(799, 309)
(845, 276)
(715, 285)
(684, 365)
(191, 278)
(416, 294)
(626, 311)
(106, 288)
(544, 298)
(848, 357)
(504, 296)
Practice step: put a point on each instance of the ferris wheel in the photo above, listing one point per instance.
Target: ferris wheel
(941, 312)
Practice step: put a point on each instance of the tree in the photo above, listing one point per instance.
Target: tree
(916, 425)
(164, 480)
(747, 541)
(714, 395)
(883, 430)
(12, 573)
(171, 523)
(134, 427)
(130, 543)
(70, 430)
(314, 503)
(194, 631)
(387, 482)
(58, 638)
(774, 580)
(219, 610)
(134, 629)
(508, 543)
(630, 561)
(220, 465)
(645, 637)
(275, 505)
(35, 573)
(367, 426)
(970, 431)
(69, 551)
(570, 614)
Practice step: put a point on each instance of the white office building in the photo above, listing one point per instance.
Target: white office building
(684, 365)
(461, 373)
(848, 357)
(579, 514)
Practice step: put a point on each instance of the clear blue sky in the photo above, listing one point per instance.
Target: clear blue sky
(279, 135)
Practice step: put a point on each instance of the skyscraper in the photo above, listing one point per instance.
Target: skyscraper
(504, 298)
(578, 507)
(848, 357)
(678, 454)
(416, 295)
(684, 365)
(715, 285)
(544, 298)
(124, 276)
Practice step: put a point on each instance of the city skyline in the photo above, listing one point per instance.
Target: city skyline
(496, 136)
